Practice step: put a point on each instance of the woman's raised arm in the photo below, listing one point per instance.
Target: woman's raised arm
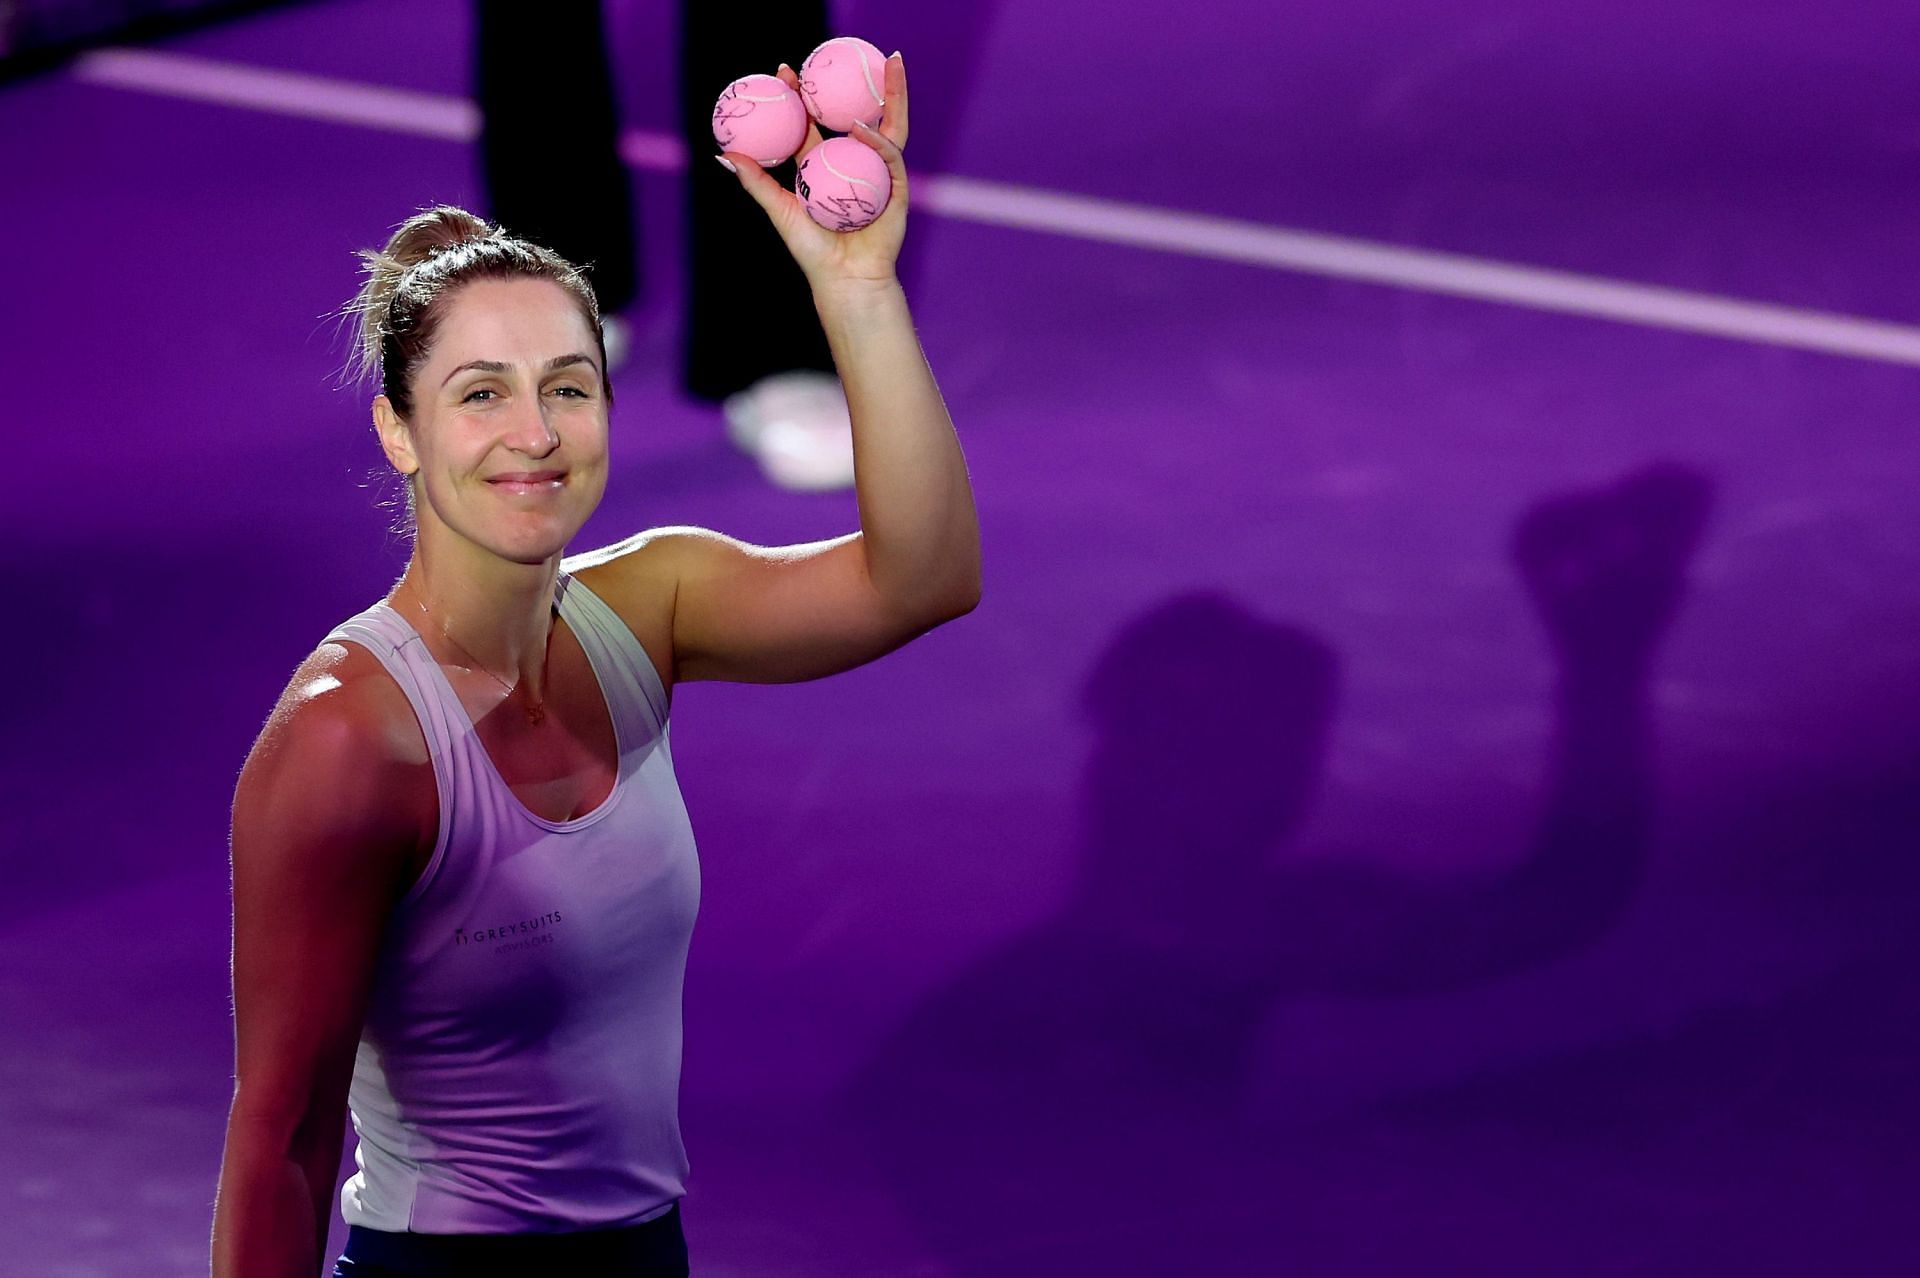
(760, 614)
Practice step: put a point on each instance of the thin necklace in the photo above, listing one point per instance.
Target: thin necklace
(536, 714)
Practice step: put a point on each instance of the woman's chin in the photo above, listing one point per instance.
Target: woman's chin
(531, 544)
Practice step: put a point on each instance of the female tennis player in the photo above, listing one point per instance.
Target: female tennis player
(463, 876)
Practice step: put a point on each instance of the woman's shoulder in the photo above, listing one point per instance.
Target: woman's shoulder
(635, 565)
(341, 704)
(339, 776)
(342, 723)
(344, 685)
(635, 578)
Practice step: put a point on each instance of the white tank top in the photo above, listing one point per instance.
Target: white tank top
(519, 1068)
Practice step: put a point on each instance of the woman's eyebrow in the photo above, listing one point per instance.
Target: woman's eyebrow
(495, 366)
(484, 365)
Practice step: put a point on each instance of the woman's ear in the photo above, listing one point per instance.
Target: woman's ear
(396, 441)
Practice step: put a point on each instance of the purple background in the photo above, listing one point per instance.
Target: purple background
(1431, 786)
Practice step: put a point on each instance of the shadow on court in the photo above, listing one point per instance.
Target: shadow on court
(1077, 1095)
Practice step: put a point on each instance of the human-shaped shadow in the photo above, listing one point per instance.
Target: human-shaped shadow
(1048, 1106)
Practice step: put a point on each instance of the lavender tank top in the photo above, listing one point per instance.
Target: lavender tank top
(519, 1066)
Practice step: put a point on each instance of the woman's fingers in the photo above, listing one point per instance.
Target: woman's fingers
(894, 122)
(808, 241)
(766, 192)
(890, 152)
(792, 79)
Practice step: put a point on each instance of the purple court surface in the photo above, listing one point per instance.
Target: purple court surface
(1432, 786)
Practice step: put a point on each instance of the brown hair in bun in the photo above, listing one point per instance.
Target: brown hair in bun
(430, 256)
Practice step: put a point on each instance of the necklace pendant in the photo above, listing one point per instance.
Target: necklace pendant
(536, 714)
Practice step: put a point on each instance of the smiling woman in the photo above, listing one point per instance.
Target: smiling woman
(489, 742)
(408, 292)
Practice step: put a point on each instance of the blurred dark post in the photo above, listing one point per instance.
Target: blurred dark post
(736, 262)
(550, 138)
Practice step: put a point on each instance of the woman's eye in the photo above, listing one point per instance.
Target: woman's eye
(486, 394)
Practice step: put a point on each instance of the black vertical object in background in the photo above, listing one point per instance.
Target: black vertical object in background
(738, 268)
(550, 138)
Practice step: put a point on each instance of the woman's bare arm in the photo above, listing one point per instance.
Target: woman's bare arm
(324, 827)
(777, 614)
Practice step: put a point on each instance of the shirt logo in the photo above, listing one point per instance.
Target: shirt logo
(502, 938)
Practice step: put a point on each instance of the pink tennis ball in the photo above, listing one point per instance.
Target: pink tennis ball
(844, 184)
(844, 80)
(760, 116)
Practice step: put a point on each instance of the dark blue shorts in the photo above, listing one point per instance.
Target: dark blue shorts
(652, 1249)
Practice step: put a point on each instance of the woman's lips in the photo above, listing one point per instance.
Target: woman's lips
(542, 481)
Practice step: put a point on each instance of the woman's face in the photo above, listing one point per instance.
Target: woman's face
(511, 390)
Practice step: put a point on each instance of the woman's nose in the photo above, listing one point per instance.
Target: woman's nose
(530, 431)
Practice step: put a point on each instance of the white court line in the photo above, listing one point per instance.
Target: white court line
(1077, 216)
(314, 97)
